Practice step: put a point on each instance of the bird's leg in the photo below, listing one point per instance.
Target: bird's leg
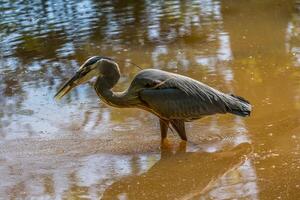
(164, 125)
(178, 125)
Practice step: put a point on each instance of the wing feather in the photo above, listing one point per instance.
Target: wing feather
(176, 96)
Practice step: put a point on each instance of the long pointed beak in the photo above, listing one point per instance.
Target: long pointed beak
(68, 86)
(86, 72)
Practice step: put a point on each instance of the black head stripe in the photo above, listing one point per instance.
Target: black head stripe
(92, 60)
(95, 59)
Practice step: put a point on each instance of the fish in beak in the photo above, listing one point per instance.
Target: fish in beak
(86, 72)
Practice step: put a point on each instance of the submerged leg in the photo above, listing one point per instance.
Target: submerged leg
(164, 125)
(182, 147)
(178, 125)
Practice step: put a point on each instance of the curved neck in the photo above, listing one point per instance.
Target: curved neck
(103, 87)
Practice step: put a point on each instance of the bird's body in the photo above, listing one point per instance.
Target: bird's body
(174, 98)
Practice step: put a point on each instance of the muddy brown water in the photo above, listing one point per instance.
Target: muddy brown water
(79, 148)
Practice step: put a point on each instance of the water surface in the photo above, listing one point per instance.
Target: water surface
(82, 148)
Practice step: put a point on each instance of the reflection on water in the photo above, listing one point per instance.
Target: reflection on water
(187, 173)
(190, 175)
(251, 48)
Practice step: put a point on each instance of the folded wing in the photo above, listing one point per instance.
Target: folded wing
(178, 97)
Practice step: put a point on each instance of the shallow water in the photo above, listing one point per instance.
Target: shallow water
(81, 148)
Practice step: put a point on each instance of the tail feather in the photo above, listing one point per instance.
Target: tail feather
(240, 112)
(240, 98)
(239, 106)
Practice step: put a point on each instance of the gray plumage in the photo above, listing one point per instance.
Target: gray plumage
(172, 97)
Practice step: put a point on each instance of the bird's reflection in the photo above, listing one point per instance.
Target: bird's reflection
(179, 175)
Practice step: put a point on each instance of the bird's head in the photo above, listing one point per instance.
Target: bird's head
(92, 67)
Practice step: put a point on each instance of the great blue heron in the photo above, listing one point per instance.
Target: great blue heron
(173, 98)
